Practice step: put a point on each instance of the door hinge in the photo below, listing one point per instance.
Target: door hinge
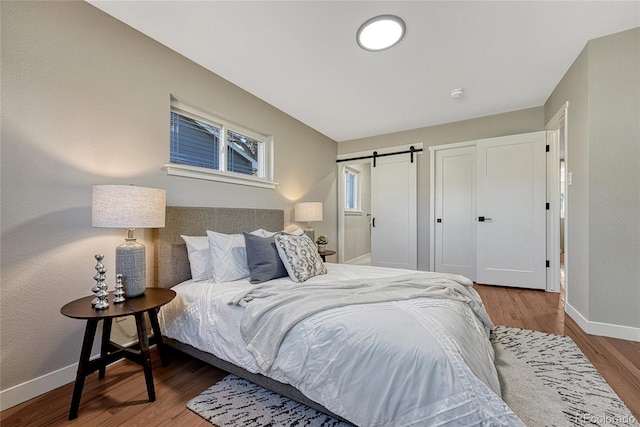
(547, 149)
(547, 205)
(548, 264)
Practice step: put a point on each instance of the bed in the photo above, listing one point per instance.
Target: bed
(414, 352)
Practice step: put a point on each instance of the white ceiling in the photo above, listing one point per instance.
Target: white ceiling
(302, 56)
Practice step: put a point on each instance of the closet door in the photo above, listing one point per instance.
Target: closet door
(511, 209)
(455, 211)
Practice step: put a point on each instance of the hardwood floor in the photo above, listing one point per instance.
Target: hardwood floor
(121, 397)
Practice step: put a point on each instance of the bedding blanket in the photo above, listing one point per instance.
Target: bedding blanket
(272, 309)
(407, 350)
(399, 351)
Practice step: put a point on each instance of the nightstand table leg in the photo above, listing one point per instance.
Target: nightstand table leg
(145, 356)
(104, 348)
(83, 367)
(162, 350)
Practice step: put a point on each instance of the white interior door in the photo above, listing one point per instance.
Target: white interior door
(394, 230)
(455, 211)
(511, 209)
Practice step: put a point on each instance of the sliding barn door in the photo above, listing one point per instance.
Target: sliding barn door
(511, 209)
(394, 230)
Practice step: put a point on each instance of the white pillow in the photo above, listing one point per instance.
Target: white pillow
(299, 256)
(297, 232)
(228, 256)
(199, 257)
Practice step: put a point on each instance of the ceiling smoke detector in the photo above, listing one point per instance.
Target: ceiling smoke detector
(457, 93)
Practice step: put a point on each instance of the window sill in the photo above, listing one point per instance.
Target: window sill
(353, 213)
(213, 175)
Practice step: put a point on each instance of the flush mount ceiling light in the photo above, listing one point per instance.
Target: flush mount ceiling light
(380, 32)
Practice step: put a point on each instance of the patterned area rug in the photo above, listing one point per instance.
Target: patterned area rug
(548, 381)
(234, 402)
(545, 379)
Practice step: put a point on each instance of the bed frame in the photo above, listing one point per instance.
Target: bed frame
(172, 267)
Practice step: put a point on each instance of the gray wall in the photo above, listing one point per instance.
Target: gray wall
(85, 100)
(614, 179)
(522, 121)
(603, 90)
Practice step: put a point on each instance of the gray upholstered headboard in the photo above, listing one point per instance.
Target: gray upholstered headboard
(171, 261)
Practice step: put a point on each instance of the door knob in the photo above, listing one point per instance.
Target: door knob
(484, 219)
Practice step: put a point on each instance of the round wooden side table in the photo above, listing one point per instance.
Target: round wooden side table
(150, 302)
(324, 254)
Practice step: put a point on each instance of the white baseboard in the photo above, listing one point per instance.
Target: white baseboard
(576, 316)
(614, 331)
(33, 388)
(603, 329)
(358, 260)
(28, 390)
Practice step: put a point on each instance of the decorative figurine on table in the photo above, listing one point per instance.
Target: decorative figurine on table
(119, 292)
(96, 288)
(100, 302)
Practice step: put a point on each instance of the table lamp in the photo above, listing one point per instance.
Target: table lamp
(130, 207)
(308, 212)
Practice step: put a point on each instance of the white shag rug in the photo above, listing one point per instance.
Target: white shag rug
(545, 379)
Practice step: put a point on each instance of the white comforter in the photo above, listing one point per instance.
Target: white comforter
(413, 362)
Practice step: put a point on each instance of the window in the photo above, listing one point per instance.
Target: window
(206, 147)
(243, 153)
(194, 142)
(351, 190)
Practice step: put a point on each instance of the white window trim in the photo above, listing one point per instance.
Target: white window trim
(197, 172)
(265, 155)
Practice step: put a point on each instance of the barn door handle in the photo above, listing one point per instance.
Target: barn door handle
(373, 222)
